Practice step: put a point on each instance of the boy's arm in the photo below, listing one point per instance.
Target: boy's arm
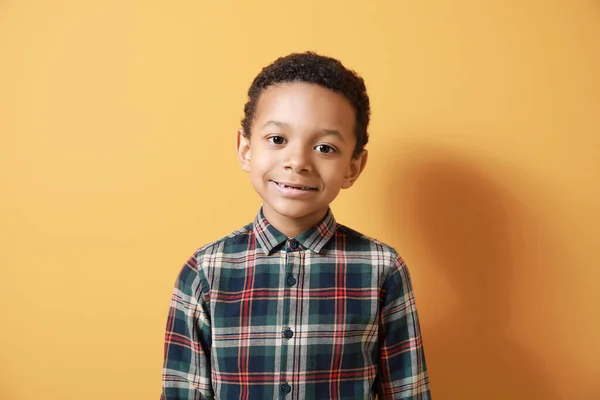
(186, 369)
(402, 369)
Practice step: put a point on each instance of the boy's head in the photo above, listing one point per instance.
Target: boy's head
(303, 136)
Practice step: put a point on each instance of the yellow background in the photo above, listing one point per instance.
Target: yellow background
(118, 119)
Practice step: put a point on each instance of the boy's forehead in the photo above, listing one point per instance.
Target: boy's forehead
(304, 104)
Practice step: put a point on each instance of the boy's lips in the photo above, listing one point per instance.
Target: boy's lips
(295, 186)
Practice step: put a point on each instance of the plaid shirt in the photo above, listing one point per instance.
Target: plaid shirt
(329, 314)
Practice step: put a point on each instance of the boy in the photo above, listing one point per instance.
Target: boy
(295, 305)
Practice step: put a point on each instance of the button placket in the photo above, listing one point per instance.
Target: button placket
(294, 258)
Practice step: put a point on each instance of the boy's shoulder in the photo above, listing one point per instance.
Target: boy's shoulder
(355, 237)
(239, 236)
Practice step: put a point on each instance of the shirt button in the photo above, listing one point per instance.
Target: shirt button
(293, 244)
(288, 333)
(291, 281)
(285, 388)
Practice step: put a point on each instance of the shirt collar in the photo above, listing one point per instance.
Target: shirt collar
(313, 239)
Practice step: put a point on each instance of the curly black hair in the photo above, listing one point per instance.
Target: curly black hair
(324, 71)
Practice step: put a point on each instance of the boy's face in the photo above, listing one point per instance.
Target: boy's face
(299, 154)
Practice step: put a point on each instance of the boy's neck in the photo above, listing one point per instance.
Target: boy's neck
(292, 227)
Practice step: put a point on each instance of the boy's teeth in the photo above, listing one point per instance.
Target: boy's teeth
(294, 187)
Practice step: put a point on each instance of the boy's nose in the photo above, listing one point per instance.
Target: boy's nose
(297, 160)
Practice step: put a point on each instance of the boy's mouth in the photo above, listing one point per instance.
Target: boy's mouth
(288, 185)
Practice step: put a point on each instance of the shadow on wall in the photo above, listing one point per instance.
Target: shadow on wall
(470, 232)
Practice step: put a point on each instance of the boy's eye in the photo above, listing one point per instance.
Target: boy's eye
(323, 148)
(276, 140)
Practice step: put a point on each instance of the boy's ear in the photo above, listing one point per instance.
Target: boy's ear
(357, 166)
(243, 150)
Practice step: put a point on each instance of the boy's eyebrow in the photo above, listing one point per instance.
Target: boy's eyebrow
(333, 132)
(276, 123)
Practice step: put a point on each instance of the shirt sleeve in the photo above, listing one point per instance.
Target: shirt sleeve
(186, 369)
(402, 368)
